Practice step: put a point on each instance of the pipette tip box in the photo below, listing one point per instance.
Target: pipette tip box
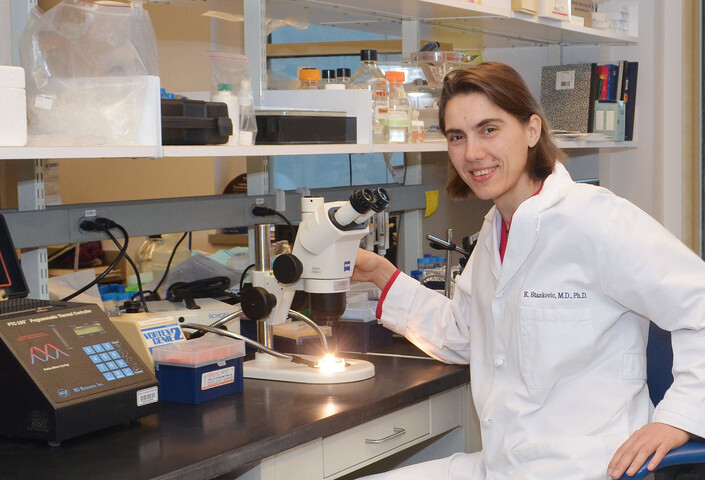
(199, 370)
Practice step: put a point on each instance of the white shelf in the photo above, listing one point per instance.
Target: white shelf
(435, 146)
(261, 150)
(308, 149)
(172, 151)
(80, 152)
(445, 20)
(396, 10)
(582, 144)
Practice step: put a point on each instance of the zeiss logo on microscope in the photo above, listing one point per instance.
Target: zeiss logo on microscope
(346, 266)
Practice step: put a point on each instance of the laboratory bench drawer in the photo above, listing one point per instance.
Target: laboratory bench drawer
(376, 437)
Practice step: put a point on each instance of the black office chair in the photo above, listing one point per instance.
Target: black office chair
(683, 463)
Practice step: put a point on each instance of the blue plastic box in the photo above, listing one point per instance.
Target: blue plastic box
(199, 370)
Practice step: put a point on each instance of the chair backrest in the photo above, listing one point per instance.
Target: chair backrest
(687, 461)
(659, 362)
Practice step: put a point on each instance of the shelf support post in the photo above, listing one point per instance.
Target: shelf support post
(410, 238)
(410, 37)
(256, 45)
(411, 226)
(30, 196)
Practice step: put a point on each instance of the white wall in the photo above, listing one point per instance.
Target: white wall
(652, 174)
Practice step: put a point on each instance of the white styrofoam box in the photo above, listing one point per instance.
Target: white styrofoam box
(354, 102)
(558, 9)
(11, 77)
(95, 111)
(13, 105)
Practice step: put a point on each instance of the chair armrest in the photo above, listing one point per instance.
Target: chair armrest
(691, 453)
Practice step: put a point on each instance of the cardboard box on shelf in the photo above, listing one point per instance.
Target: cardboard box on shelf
(584, 9)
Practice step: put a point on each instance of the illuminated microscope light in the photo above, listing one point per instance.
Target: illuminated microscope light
(330, 364)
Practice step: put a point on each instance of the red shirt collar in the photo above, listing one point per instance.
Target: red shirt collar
(504, 231)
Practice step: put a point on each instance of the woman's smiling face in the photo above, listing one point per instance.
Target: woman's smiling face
(489, 147)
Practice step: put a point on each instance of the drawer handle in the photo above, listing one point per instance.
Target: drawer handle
(398, 432)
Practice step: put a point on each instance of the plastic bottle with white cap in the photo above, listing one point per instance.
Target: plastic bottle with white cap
(225, 95)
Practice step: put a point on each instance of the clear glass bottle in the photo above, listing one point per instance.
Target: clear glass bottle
(309, 79)
(162, 254)
(399, 109)
(371, 78)
(145, 252)
(327, 77)
(417, 128)
(343, 75)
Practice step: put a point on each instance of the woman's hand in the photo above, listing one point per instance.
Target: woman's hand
(370, 267)
(653, 438)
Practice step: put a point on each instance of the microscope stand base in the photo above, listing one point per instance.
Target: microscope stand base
(282, 370)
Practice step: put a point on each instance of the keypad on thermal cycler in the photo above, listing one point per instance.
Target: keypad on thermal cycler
(108, 361)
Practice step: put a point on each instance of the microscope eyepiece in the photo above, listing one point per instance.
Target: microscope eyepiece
(362, 200)
(381, 199)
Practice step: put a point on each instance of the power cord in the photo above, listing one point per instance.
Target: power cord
(154, 294)
(140, 291)
(260, 211)
(100, 224)
(242, 277)
(214, 287)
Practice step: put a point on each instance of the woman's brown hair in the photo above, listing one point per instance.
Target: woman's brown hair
(504, 87)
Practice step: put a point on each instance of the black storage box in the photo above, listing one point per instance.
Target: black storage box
(195, 122)
(276, 128)
(353, 336)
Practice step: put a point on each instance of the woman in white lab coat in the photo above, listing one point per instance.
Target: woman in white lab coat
(552, 310)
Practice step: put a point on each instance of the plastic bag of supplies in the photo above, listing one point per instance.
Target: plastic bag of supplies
(91, 74)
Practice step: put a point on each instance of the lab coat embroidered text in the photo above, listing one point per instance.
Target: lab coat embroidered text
(556, 295)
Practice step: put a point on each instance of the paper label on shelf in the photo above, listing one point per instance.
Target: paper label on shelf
(217, 378)
(45, 102)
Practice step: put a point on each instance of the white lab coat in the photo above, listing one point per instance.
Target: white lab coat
(556, 335)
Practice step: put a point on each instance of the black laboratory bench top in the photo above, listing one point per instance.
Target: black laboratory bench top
(232, 432)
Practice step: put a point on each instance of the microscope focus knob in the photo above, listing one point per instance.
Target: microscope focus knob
(257, 303)
(287, 268)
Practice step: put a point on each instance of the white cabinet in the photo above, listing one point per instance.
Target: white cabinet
(373, 439)
(345, 452)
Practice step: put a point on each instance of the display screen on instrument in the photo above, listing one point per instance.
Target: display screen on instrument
(82, 330)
